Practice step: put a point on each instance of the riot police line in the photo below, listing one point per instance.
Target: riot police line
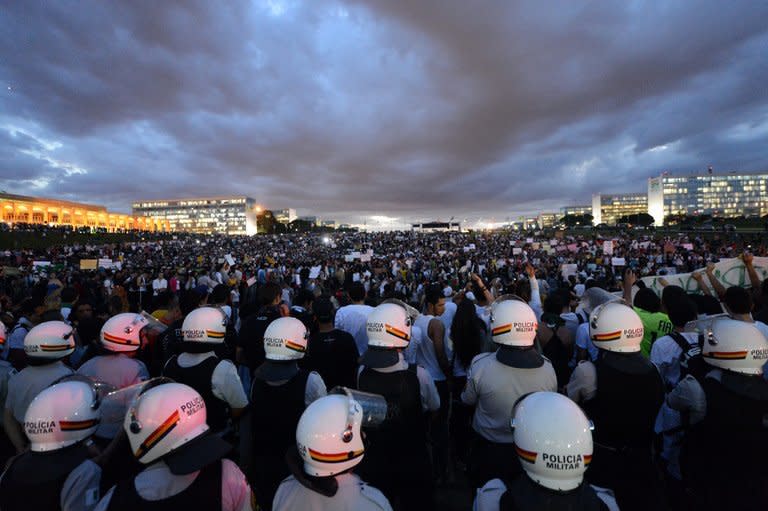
(192, 438)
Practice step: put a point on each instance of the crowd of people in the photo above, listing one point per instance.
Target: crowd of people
(376, 370)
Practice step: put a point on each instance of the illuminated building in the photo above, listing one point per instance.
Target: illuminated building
(285, 216)
(575, 210)
(724, 195)
(609, 209)
(547, 220)
(54, 212)
(204, 215)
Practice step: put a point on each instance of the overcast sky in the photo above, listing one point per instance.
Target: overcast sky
(411, 109)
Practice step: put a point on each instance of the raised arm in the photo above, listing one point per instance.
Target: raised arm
(718, 287)
(699, 278)
(629, 280)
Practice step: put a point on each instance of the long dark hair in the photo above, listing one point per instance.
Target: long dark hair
(467, 332)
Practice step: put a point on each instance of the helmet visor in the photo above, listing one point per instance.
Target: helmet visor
(411, 312)
(704, 327)
(129, 398)
(374, 406)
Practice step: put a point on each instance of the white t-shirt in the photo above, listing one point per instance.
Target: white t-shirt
(159, 284)
(352, 495)
(118, 370)
(495, 388)
(25, 385)
(225, 381)
(353, 319)
(489, 496)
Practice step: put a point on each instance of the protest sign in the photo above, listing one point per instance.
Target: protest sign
(517, 251)
(230, 260)
(314, 272)
(40, 264)
(608, 247)
(729, 272)
(569, 269)
(105, 263)
(88, 264)
(618, 261)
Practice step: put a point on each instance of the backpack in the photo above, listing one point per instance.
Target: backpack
(691, 361)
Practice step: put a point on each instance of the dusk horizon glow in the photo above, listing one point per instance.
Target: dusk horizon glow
(383, 113)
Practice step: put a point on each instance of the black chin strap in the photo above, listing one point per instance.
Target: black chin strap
(326, 486)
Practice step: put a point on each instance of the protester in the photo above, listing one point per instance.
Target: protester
(272, 273)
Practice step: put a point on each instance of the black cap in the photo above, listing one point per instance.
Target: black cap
(197, 453)
(323, 309)
(521, 357)
(378, 358)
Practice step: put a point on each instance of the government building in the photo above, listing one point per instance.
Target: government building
(723, 195)
(53, 212)
(234, 215)
(719, 195)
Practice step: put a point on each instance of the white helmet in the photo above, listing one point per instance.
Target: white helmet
(205, 325)
(52, 340)
(513, 322)
(122, 332)
(328, 435)
(388, 326)
(735, 346)
(62, 415)
(285, 339)
(614, 326)
(553, 440)
(163, 418)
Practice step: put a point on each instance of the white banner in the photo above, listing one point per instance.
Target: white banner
(729, 272)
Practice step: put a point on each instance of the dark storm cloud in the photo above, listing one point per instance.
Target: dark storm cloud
(399, 108)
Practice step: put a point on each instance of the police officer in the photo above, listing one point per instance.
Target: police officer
(46, 346)
(621, 392)
(397, 461)
(280, 393)
(203, 331)
(553, 442)
(495, 381)
(167, 431)
(59, 423)
(723, 457)
(329, 445)
(120, 340)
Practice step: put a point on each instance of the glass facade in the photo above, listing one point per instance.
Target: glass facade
(575, 210)
(613, 207)
(725, 196)
(205, 215)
